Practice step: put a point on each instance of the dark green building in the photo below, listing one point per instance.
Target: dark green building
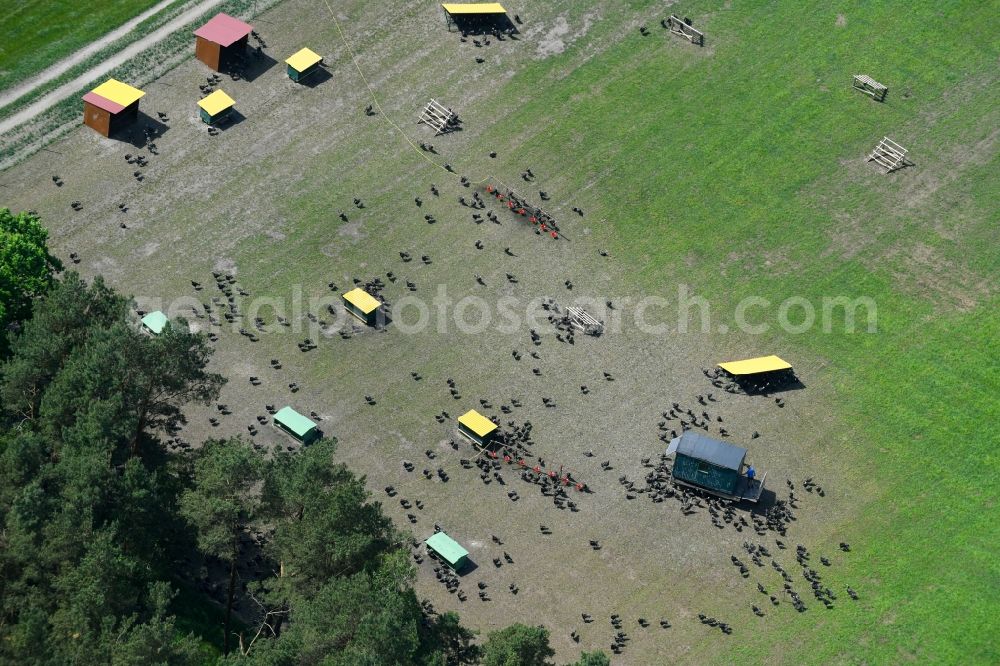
(713, 466)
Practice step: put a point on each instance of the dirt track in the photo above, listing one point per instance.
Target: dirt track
(71, 87)
(25, 87)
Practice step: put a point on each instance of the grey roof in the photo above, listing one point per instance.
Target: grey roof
(696, 445)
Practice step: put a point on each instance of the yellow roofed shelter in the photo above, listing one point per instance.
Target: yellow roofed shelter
(111, 106)
(753, 366)
(477, 427)
(761, 374)
(362, 305)
(118, 92)
(476, 17)
(302, 64)
(474, 8)
(216, 107)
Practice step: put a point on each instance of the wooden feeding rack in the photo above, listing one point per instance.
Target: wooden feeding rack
(437, 116)
(584, 321)
(870, 86)
(678, 26)
(889, 155)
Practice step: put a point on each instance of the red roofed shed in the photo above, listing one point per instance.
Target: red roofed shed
(220, 39)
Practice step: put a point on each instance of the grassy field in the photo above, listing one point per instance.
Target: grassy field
(738, 170)
(61, 117)
(39, 34)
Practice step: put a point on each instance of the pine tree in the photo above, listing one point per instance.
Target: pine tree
(518, 645)
(222, 505)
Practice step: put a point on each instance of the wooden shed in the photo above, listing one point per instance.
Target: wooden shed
(362, 305)
(448, 550)
(154, 322)
(295, 425)
(215, 107)
(477, 427)
(111, 106)
(220, 40)
(302, 64)
(713, 466)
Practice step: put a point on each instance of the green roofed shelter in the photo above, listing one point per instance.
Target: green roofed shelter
(296, 425)
(477, 427)
(154, 322)
(362, 305)
(449, 550)
(303, 63)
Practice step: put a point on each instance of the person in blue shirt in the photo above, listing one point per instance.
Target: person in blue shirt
(751, 473)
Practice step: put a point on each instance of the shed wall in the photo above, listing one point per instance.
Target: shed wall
(125, 117)
(468, 433)
(717, 478)
(287, 431)
(367, 318)
(297, 76)
(208, 52)
(227, 54)
(482, 441)
(97, 118)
